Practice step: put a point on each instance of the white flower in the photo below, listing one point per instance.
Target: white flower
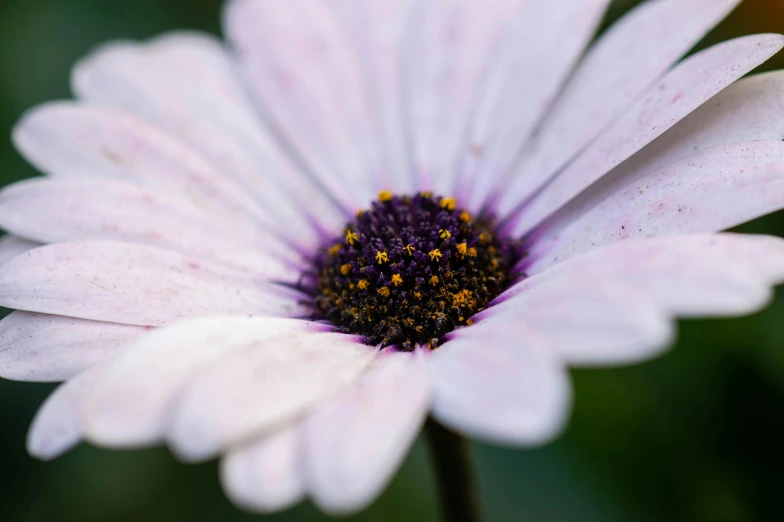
(199, 182)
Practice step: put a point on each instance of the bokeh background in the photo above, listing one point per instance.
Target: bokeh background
(695, 436)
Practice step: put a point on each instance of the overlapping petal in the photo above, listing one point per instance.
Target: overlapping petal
(186, 84)
(12, 246)
(689, 85)
(138, 392)
(309, 85)
(133, 284)
(620, 67)
(265, 386)
(615, 304)
(355, 443)
(54, 210)
(500, 386)
(268, 475)
(52, 348)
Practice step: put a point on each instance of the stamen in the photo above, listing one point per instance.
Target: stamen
(411, 269)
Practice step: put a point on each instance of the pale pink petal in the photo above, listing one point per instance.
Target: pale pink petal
(12, 246)
(525, 74)
(309, 81)
(614, 305)
(55, 210)
(584, 320)
(684, 89)
(711, 191)
(446, 50)
(501, 387)
(79, 140)
(621, 66)
(186, 84)
(377, 29)
(50, 348)
(692, 275)
(357, 441)
(745, 111)
(132, 284)
(266, 476)
(266, 386)
(58, 426)
(138, 392)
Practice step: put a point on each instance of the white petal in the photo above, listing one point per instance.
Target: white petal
(53, 210)
(377, 28)
(357, 441)
(691, 275)
(11, 246)
(50, 348)
(684, 89)
(621, 66)
(501, 387)
(137, 394)
(309, 82)
(711, 191)
(584, 320)
(267, 476)
(446, 48)
(612, 306)
(264, 387)
(535, 58)
(186, 84)
(58, 426)
(80, 140)
(745, 111)
(132, 284)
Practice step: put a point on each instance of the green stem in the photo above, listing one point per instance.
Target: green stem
(452, 459)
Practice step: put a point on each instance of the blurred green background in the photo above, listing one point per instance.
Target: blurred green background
(696, 436)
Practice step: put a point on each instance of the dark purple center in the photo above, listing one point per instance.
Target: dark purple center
(411, 269)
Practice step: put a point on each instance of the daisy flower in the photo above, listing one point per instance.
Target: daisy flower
(289, 250)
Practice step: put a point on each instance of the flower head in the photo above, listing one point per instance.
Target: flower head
(208, 262)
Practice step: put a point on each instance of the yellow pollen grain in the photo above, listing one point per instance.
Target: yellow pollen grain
(471, 252)
(363, 284)
(333, 251)
(360, 212)
(351, 237)
(382, 257)
(434, 280)
(427, 194)
(482, 238)
(397, 280)
(465, 217)
(435, 255)
(448, 203)
(384, 196)
(418, 295)
(383, 291)
(470, 322)
(409, 249)
(345, 269)
(462, 248)
(444, 233)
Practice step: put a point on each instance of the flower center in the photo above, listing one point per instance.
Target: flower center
(410, 269)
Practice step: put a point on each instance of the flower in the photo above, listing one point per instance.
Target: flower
(204, 282)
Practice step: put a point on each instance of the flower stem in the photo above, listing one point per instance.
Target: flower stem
(452, 459)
